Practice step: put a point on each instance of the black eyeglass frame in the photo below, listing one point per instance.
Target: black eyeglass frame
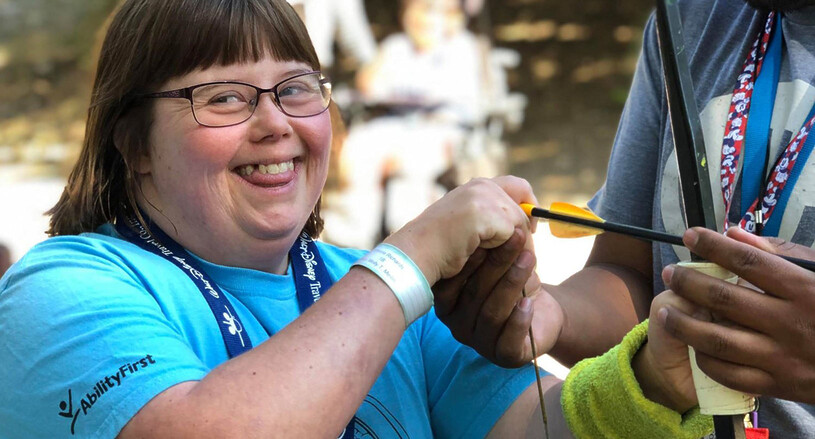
(186, 93)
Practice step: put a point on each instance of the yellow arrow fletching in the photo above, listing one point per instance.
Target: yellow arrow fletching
(572, 210)
(565, 230)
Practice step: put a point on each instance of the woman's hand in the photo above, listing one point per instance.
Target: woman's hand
(483, 213)
(479, 241)
(769, 349)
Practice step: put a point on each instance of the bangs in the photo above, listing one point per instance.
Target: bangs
(196, 34)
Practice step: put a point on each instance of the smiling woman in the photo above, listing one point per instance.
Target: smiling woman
(196, 163)
(183, 248)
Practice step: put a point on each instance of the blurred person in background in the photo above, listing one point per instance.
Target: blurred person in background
(425, 84)
(472, 7)
(342, 21)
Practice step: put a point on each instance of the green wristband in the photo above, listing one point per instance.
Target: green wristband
(601, 398)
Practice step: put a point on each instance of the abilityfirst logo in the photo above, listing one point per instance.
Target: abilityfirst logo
(99, 389)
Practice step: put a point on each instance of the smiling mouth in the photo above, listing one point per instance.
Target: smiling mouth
(270, 169)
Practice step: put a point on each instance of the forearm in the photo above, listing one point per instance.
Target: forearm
(614, 395)
(320, 367)
(600, 303)
(524, 418)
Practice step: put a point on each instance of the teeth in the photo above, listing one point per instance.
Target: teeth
(270, 169)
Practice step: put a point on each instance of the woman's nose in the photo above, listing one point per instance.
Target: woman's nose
(269, 119)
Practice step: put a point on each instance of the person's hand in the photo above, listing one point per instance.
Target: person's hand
(485, 309)
(758, 343)
(662, 365)
(483, 213)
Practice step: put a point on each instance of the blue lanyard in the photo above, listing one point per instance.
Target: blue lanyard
(310, 273)
(772, 228)
(757, 135)
(162, 245)
(311, 278)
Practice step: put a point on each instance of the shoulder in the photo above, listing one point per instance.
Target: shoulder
(717, 35)
(76, 312)
(89, 270)
(720, 21)
(714, 18)
(58, 257)
(68, 252)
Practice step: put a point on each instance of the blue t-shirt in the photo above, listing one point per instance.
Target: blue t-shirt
(92, 328)
(642, 186)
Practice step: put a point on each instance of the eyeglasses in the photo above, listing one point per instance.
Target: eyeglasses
(227, 103)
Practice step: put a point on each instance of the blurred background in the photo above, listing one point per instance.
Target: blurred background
(547, 80)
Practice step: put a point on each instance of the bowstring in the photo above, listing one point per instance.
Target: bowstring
(538, 378)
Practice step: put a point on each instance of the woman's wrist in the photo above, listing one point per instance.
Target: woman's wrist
(409, 244)
(403, 277)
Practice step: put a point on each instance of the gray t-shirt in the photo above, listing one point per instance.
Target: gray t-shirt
(642, 186)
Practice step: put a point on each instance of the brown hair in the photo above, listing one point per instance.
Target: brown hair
(147, 43)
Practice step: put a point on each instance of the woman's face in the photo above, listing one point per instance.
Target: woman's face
(199, 178)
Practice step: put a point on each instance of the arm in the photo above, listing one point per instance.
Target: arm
(614, 291)
(641, 388)
(583, 317)
(604, 300)
(342, 342)
(660, 367)
(523, 418)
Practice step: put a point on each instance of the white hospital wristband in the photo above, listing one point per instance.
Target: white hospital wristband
(403, 277)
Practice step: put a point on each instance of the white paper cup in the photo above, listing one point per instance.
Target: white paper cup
(714, 398)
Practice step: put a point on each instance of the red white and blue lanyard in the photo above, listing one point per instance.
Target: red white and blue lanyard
(311, 279)
(754, 96)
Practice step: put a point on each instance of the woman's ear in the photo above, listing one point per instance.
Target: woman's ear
(127, 137)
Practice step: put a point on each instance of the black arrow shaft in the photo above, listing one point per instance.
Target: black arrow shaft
(639, 232)
(636, 232)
